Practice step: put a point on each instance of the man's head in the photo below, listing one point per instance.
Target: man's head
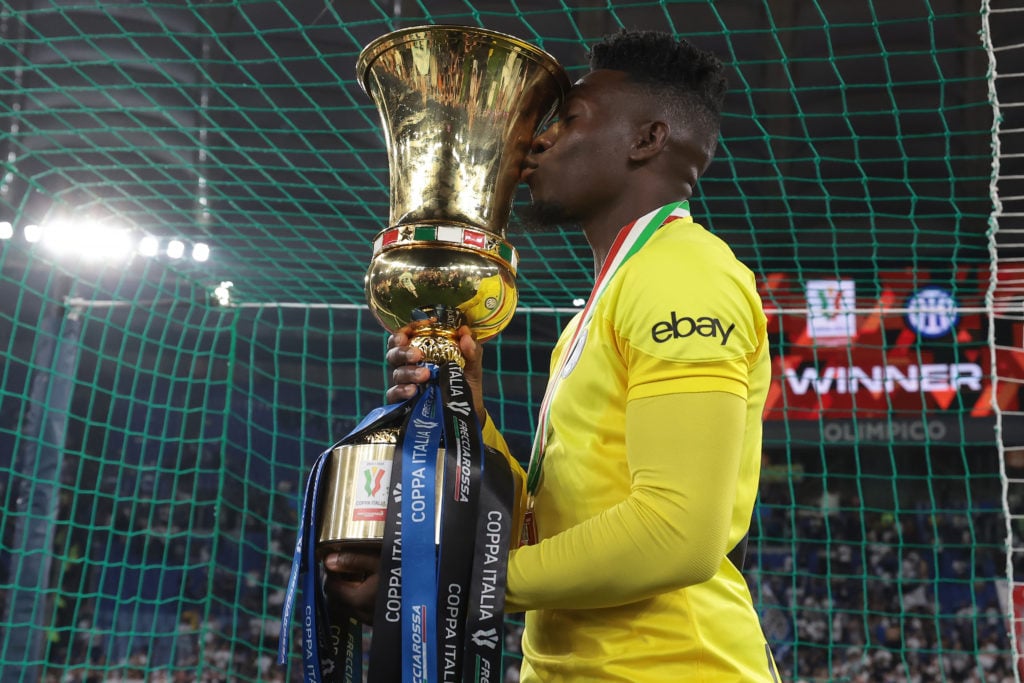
(690, 81)
(640, 127)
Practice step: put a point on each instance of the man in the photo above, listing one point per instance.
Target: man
(649, 444)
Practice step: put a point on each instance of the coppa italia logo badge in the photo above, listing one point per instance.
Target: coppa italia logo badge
(373, 476)
(371, 498)
(831, 310)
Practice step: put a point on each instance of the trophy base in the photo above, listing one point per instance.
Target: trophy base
(357, 482)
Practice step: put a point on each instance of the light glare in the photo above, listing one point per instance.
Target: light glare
(149, 246)
(6, 230)
(89, 240)
(222, 292)
(175, 248)
(201, 252)
(33, 233)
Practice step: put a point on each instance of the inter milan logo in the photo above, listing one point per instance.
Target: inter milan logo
(931, 312)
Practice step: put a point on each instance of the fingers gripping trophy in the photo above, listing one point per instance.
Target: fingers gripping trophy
(459, 108)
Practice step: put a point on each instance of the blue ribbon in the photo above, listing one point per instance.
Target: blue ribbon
(284, 636)
(304, 562)
(375, 415)
(419, 559)
(313, 609)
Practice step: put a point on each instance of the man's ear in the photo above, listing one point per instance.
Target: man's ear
(651, 138)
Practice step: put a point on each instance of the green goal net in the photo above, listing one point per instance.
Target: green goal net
(188, 197)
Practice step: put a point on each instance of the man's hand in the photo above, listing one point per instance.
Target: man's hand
(350, 580)
(408, 374)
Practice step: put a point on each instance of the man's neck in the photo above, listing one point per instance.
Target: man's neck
(601, 231)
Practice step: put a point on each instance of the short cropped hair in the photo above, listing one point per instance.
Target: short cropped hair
(691, 78)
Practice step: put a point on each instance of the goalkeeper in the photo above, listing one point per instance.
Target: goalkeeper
(646, 462)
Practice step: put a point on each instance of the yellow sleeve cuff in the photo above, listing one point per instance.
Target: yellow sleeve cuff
(658, 377)
(492, 437)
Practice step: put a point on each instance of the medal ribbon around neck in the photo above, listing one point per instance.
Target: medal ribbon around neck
(630, 240)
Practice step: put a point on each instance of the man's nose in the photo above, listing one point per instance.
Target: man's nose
(542, 142)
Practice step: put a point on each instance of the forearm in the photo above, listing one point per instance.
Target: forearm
(670, 532)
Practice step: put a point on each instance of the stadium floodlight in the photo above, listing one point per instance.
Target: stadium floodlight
(201, 252)
(33, 232)
(222, 292)
(149, 246)
(89, 240)
(6, 230)
(175, 249)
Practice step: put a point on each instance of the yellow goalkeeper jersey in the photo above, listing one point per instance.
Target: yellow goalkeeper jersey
(615, 589)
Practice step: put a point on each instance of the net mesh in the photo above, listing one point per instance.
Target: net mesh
(1006, 287)
(159, 413)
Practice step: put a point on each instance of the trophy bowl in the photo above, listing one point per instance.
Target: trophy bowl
(450, 286)
(459, 107)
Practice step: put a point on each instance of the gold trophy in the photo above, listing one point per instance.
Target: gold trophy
(460, 107)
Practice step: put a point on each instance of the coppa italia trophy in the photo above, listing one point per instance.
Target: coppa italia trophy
(459, 107)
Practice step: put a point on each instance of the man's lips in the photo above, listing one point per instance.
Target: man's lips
(527, 171)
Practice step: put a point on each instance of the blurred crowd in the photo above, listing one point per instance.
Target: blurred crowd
(846, 593)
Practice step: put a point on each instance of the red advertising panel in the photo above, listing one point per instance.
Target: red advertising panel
(904, 345)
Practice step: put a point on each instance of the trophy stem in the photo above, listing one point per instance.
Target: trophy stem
(438, 345)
